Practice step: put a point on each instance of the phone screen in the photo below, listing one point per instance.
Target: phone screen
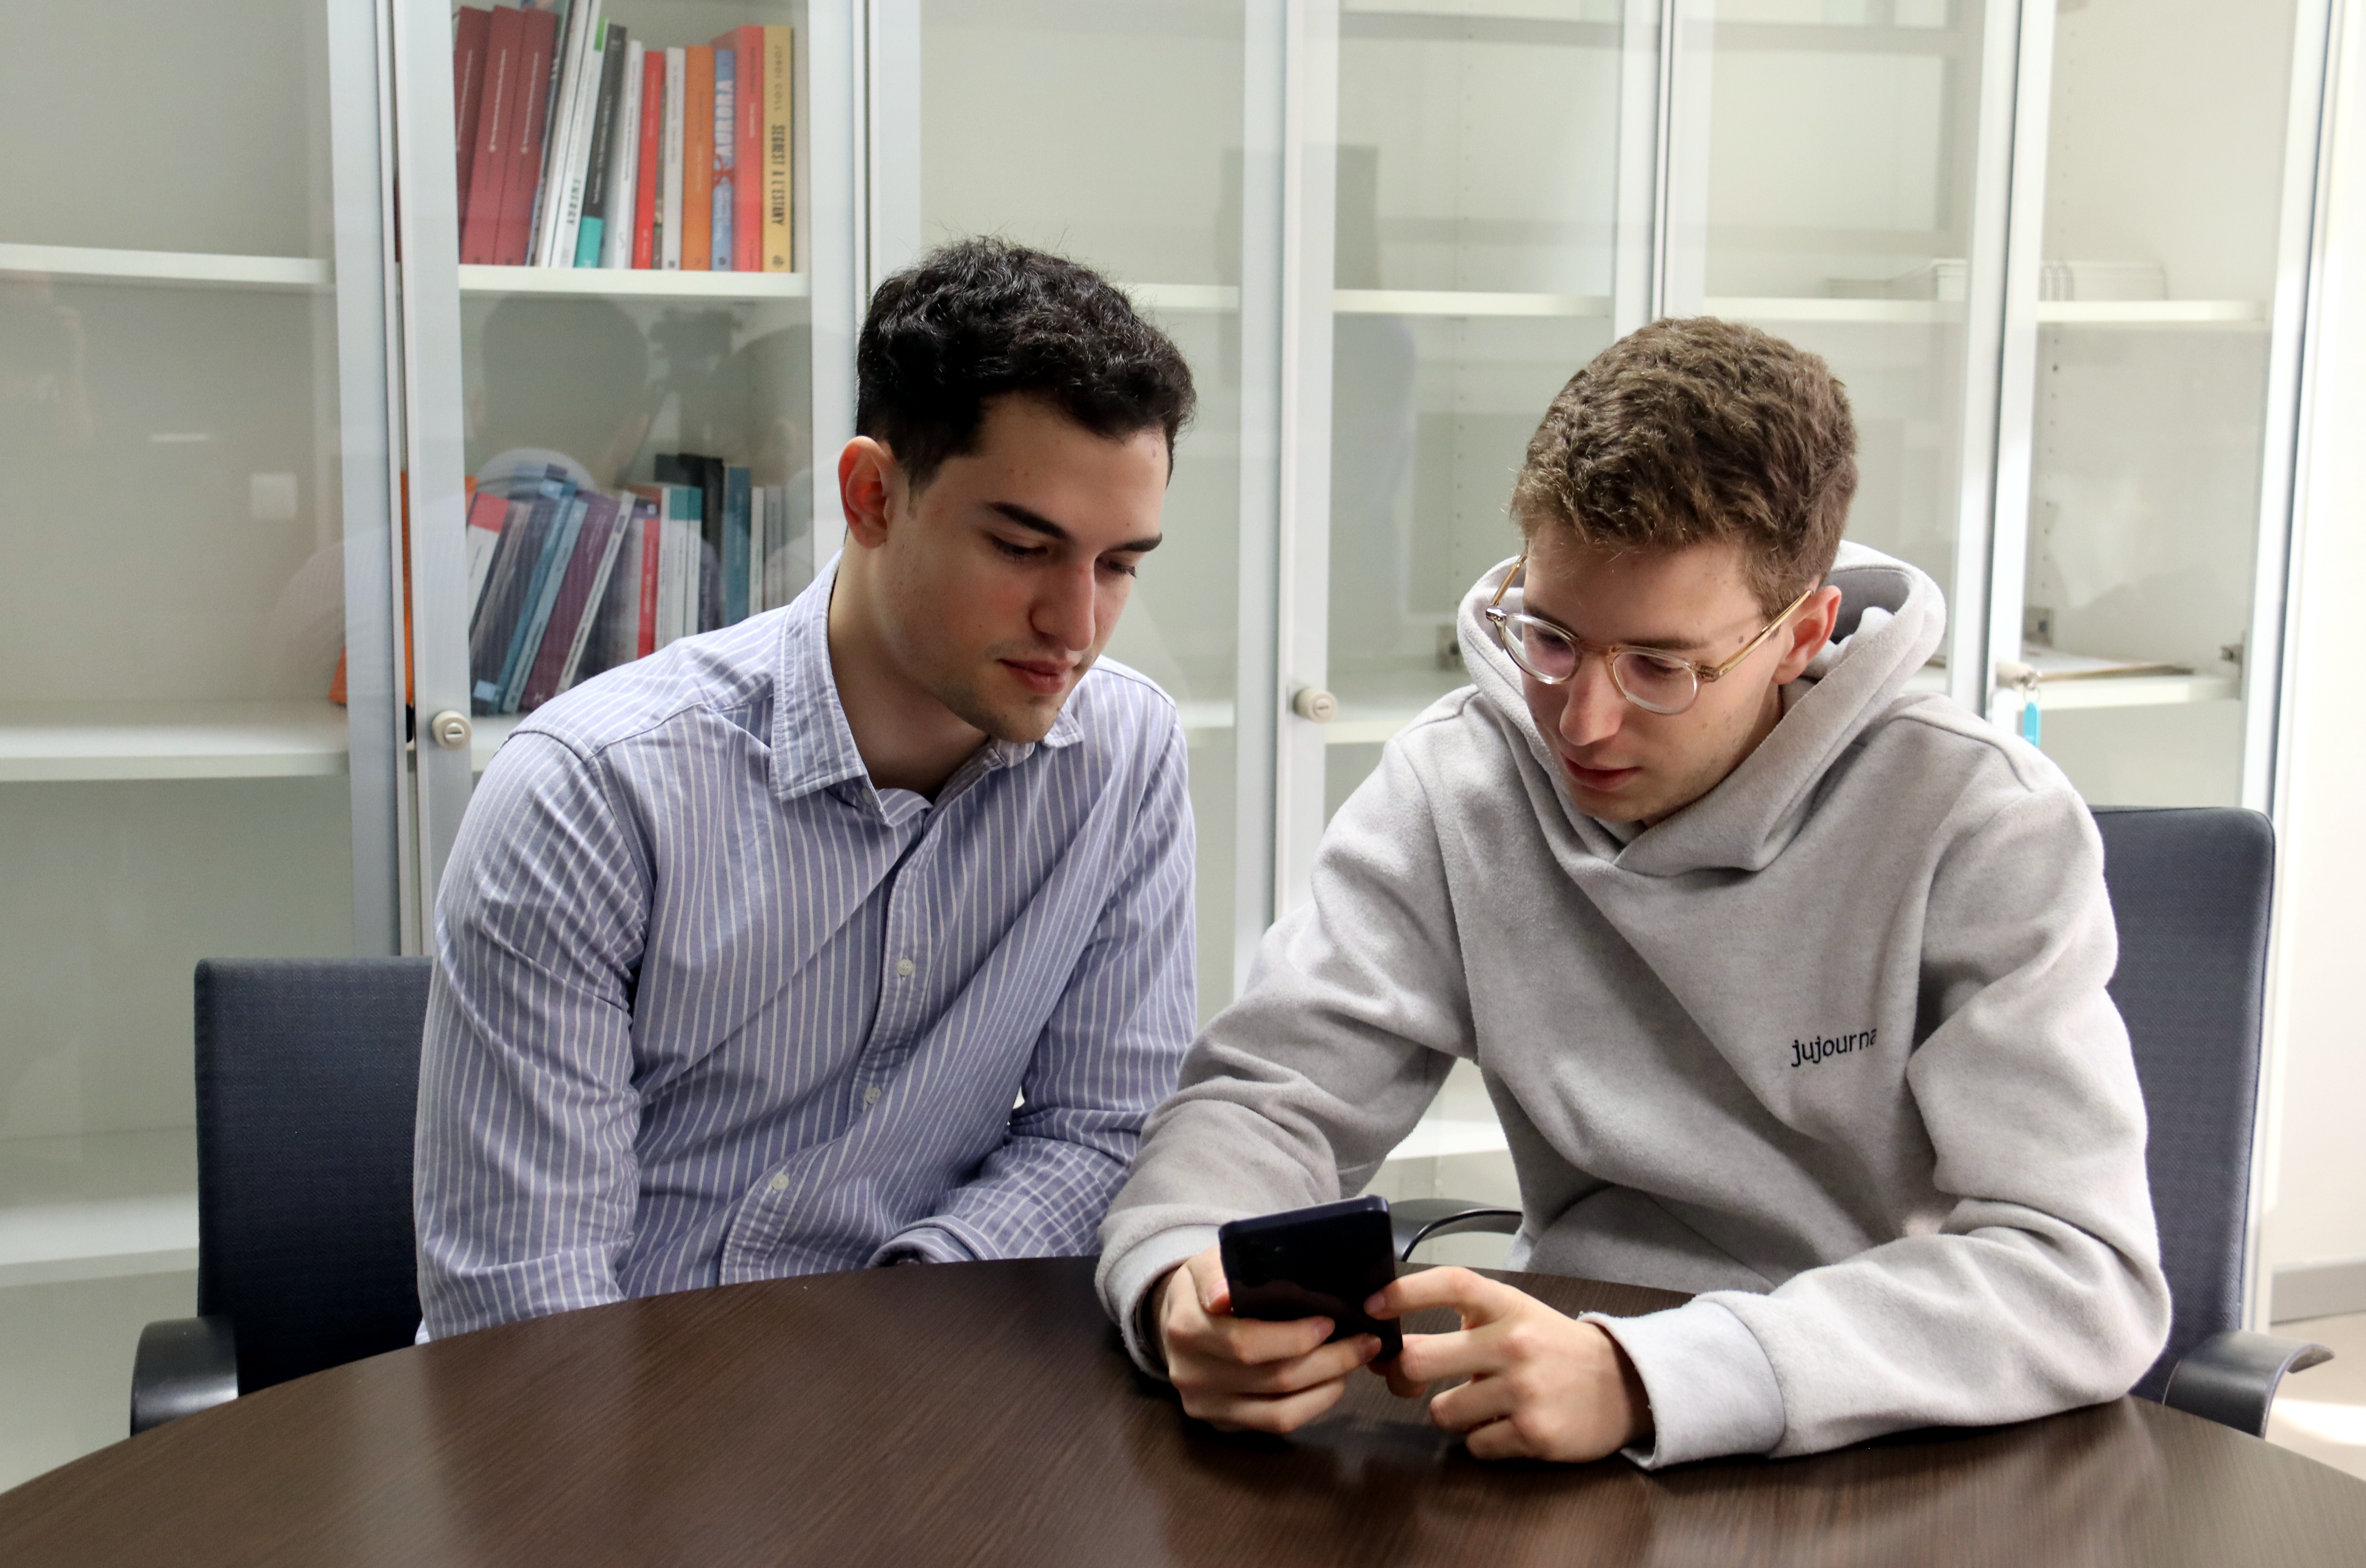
(1317, 1262)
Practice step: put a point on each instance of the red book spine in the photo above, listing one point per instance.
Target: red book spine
(648, 167)
(480, 219)
(541, 37)
(470, 30)
(746, 47)
(653, 538)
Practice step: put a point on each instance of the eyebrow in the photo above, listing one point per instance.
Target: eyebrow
(1036, 522)
(1656, 644)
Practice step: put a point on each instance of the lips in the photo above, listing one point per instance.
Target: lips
(1044, 677)
(1601, 781)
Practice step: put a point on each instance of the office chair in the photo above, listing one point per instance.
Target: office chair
(2190, 893)
(308, 1087)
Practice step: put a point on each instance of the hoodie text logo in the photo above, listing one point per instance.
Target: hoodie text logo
(1808, 1053)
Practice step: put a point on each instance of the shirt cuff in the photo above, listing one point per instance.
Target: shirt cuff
(921, 1244)
(1128, 1280)
(1711, 1389)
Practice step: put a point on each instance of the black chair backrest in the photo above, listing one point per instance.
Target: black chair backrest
(308, 1087)
(2190, 892)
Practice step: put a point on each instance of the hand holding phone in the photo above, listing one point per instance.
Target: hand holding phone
(1323, 1261)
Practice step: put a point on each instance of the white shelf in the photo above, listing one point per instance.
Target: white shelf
(78, 264)
(1441, 1137)
(97, 1207)
(53, 742)
(1214, 296)
(1191, 297)
(1456, 302)
(2153, 312)
(622, 283)
(1894, 312)
(2123, 691)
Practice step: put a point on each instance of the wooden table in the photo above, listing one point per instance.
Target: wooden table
(983, 1413)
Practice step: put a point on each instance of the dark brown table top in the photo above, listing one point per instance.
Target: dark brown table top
(983, 1413)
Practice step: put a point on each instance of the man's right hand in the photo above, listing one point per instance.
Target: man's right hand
(1242, 1373)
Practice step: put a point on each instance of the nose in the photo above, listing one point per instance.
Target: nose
(1068, 609)
(1592, 709)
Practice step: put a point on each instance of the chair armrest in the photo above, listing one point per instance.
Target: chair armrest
(184, 1365)
(1415, 1220)
(2231, 1378)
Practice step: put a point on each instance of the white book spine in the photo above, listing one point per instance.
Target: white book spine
(553, 132)
(578, 167)
(677, 82)
(559, 136)
(624, 166)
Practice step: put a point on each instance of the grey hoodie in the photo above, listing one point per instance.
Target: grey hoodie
(1829, 1047)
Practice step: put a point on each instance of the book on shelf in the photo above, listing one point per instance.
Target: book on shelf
(497, 103)
(470, 30)
(575, 141)
(698, 159)
(726, 136)
(649, 161)
(619, 190)
(669, 191)
(525, 132)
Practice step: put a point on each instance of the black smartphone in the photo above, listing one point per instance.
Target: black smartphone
(1317, 1262)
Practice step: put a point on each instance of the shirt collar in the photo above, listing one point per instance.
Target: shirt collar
(813, 746)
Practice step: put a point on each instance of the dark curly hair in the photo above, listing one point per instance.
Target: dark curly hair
(1695, 429)
(982, 318)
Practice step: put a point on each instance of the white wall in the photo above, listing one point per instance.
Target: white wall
(2316, 1196)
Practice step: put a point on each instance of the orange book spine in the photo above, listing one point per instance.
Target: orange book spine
(698, 159)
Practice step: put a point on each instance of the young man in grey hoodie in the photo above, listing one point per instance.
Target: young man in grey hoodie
(1787, 987)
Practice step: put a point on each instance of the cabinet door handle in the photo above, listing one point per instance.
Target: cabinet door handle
(451, 730)
(1314, 705)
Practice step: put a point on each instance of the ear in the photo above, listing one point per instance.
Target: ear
(868, 480)
(1807, 633)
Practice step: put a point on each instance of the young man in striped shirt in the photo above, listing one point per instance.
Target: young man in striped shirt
(745, 949)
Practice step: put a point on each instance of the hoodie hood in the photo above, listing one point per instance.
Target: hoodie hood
(1891, 621)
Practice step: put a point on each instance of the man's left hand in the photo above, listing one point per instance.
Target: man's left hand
(1543, 1385)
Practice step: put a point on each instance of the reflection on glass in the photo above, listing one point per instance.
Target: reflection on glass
(641, 472)
(1038, 122)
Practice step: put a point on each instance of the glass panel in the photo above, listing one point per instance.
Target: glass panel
(1040, 121)
(172, 768)
(1477, 207)
(1825, 151)
(638, 405)
(2164, 180)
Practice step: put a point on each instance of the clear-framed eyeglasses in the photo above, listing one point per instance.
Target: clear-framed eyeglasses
(1654, 681)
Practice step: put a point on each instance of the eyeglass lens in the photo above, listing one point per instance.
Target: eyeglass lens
(1662, 685)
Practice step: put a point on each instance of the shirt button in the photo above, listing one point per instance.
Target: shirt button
(903, 966)
(780, 1181)
(871, 1095)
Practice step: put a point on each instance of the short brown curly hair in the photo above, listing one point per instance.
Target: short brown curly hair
(1695, 430)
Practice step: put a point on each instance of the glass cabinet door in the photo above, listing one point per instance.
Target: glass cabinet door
(1111, 131)
(1838, 176)
(196, 739)
(2129, 575)
(1475, 268)
(610, 278)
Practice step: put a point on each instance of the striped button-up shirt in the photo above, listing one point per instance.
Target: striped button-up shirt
(709, 1007)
